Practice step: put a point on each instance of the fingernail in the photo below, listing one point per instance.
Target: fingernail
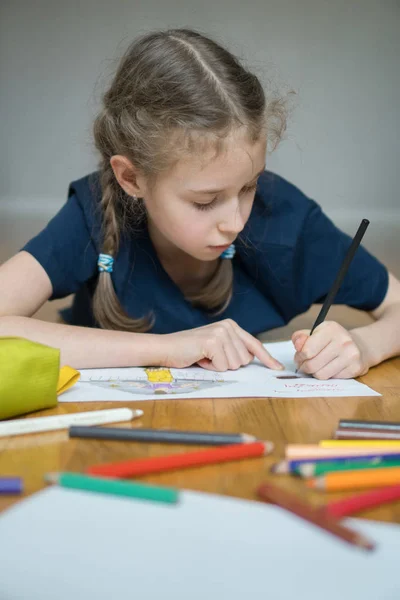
(279, 366)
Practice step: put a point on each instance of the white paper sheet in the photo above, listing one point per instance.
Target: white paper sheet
(255, 380)
(63, 544)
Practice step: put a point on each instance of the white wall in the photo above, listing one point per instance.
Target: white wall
(342, 58)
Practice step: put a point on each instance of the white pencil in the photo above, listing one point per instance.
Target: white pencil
(93, 417)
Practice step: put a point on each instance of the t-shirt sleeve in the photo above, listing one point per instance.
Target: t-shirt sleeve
(319, 253)
(66, 248)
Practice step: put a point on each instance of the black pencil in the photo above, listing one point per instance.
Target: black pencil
(167, 436)
(355, 424)
(340, 276)
(366, 433)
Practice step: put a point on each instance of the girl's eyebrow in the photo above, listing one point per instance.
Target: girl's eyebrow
(218, 191)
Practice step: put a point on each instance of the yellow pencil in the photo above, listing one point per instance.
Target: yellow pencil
(360, 444)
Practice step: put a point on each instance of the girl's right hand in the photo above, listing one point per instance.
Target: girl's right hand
(218, 347)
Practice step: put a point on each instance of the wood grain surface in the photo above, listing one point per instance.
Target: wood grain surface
(280, 420)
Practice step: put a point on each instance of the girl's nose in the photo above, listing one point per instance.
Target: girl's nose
(232, 223)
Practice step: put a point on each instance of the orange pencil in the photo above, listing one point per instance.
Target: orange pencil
(170, 462)
(353, 480)
(290, 502)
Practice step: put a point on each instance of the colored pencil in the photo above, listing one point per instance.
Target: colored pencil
(159, 464)
(353, 480)
(114, 487)
(11, 485)
(168, 436)
(285, 467)
(313, 451)
(330, 297)
(291, 503)
(366, 434)
(355, 424)
(54, 422)
(360, 502)
(360, 444)
(315, 469)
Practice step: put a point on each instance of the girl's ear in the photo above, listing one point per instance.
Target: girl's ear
(128, 176)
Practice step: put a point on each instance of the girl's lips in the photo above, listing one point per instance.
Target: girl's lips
(222, 248)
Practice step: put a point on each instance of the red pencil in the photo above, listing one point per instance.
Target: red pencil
(158, 464)
(290, 502)
(359, 502)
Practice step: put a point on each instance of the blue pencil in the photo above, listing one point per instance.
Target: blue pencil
(289, 466)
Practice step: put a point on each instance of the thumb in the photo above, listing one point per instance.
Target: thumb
(206, 363)
(299, 338)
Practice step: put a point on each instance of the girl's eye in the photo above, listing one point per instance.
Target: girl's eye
(210, 205)
(207, 206)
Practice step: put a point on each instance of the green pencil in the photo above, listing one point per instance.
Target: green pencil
(115, 487)
(311, 469)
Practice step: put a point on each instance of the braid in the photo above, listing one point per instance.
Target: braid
(107, 309)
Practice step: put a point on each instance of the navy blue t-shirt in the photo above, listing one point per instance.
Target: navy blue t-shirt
(286, 260)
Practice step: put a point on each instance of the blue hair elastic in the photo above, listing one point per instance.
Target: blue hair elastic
(229, 252)
(105, 263)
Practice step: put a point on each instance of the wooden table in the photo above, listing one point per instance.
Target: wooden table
(277, 419)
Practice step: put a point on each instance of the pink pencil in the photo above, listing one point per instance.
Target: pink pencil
(313, 451)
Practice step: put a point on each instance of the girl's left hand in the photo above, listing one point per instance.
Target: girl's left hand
(330, 352)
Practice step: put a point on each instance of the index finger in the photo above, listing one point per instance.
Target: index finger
(314, 344)
(255, 347)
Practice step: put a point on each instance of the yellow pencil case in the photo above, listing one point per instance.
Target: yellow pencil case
(29, 376)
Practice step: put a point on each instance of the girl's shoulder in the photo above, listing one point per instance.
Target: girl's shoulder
(86, 194)
(87, 188)
(87, 191)
(279, 212)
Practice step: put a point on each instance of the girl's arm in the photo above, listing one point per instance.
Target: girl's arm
(381, 339)
(334, 352)
(25, 287)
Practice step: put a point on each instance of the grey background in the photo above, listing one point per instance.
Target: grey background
(340, 57)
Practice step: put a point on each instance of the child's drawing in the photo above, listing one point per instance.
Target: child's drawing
(161, 381)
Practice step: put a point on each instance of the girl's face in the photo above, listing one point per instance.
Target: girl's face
(202, 204)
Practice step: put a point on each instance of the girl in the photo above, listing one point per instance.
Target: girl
(183, 247)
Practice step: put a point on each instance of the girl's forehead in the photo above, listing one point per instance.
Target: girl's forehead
(238, 159)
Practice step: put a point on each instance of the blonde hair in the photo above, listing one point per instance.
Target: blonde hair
(173, 91)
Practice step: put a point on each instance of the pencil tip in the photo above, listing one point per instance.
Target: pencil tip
(246, 438)
(306, 470)
(280, 468)
(364, 543)
(51, 477)
(268, 447)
